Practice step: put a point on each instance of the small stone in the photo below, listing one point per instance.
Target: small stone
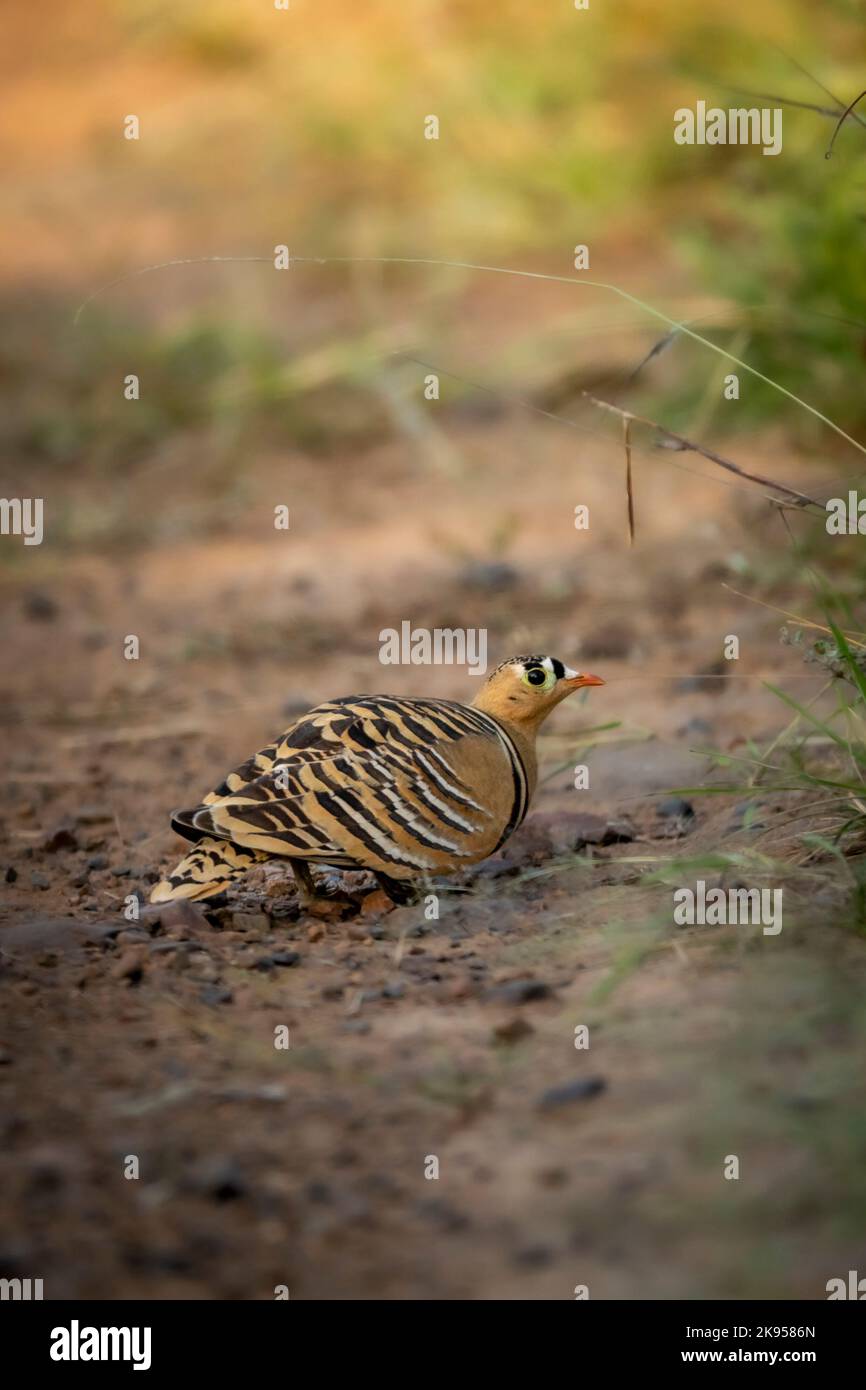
(92, 815)
(131, 936)
(130, 964)
(123, 871)
(698, 727)
(376, 903)
(254, 923)
(62, 838)
(608, 643)
(533, 1256)
(443, 1214)
(328, 909)
(513, 1030)
(395, 991)
(746, 817)
(531, 844)
(201, 965)
(521, 991)
(98, 861)
(462, 988)
(710, 681)
(11, 874)
(218, 1178)
(214, 995)
(40, 880)
(179, 918)
(675, 807)
(39, 607)
(582, 1089)
(490, 576)
(618, 832)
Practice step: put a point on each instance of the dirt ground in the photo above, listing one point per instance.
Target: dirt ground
(412, 1038)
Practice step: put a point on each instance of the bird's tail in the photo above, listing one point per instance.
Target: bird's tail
(206, 870)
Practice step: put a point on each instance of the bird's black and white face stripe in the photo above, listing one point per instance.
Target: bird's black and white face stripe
(541, 672)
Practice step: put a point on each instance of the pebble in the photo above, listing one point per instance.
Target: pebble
(513, 1030)
(675, 806)
(533, 1256)
(202, 966)
(130, 964)
(376, 903)
(582, 1089)
(521, 991)
(251, 922)
(40, 880)
(92, 815)
(180, 918)
(490, 576)
(63, 837)
(11, 874)
(130, 936)
(219, 1178)
(702, 727)
(328, 909)
(609, 643)
(40, 607)
(214, 995)
(98, 861)
(277, 958)
(710, 681)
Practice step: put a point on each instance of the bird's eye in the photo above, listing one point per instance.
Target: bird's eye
(537, 676)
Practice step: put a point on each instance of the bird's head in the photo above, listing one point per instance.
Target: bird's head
(524, 689)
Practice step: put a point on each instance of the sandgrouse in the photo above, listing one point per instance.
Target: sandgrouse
(399, 787)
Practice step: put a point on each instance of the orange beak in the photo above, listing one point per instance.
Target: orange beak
(577, 681)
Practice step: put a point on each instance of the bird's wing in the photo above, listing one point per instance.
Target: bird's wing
(375, 781)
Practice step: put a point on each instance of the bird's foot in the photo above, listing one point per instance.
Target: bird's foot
(398, 890)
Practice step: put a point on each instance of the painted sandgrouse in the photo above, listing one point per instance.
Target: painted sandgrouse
(399, 787)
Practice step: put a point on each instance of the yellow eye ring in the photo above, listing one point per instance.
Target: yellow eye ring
(530, 678)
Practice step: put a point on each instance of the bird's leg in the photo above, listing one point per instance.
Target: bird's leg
(305, 882)
(398, 891)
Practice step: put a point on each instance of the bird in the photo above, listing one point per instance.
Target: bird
(403, 788)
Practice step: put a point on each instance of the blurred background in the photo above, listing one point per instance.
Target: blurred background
(305, 388)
